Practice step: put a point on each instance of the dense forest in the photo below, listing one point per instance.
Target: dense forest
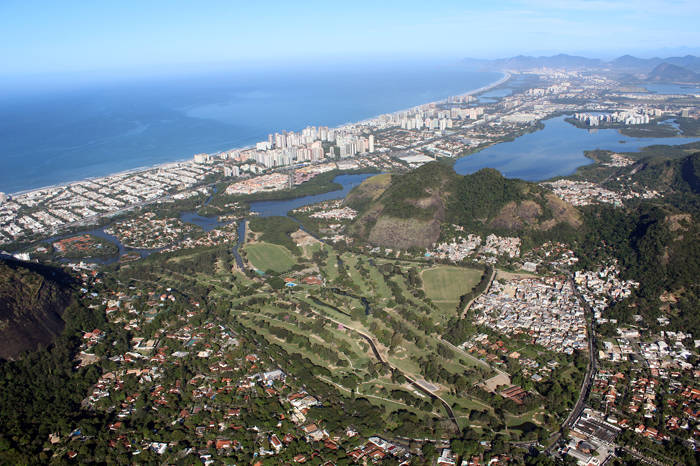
(42, 392)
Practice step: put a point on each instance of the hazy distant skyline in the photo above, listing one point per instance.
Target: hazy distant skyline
(44, 37)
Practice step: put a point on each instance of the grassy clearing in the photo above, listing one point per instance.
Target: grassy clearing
(242, 278)
(331, 313)
(350, 261)
(465, 404)
(265, 256)
(391, 406)
(357, 357)
(447, 284)
(382, 292)
(247, 321)
(310, 249)
(331, 268)
(447, 307)
(406, 357)
(533, 416)
(360, 357)
(567, 375)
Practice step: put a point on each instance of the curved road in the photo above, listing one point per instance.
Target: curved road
(448, 408)
(450, 414)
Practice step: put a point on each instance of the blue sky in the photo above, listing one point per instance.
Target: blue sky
(44, 37)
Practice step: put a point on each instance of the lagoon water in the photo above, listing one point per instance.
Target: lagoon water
(673, 88)
(269, 208)
(57, 137)
(556, 150)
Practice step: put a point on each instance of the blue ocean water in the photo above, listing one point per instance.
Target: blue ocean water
(57, 137)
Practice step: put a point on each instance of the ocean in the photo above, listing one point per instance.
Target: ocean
(57, 137)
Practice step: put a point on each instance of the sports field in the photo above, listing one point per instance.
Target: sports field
(264, 256)
(447, 284)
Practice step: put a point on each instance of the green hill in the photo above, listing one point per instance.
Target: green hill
(670, 73)
(677, 179)
(32, 300)
(656, 246)
(410, 210)
(487, 201)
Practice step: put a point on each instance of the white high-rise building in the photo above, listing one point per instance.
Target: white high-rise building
(316, 153)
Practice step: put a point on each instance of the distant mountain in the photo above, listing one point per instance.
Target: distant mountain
(628, 61)
(625, 62)
(411, 209)
(669, 73)
(32, 300)
(524, 62)
(689, 61)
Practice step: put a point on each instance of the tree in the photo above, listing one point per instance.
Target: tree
(429, 451)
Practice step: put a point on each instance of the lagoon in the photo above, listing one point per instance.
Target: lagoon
(281, 207)
(683, 89)
(556, 150)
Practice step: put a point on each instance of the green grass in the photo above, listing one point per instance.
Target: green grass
(311, 248)
(264, 256)
(331, 268)
(445, 285)
(351, 261)
(568, 374)
(447, 307)
(382, 291)
(359, 358)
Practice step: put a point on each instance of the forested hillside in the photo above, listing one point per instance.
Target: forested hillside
(32, 301)
(410, 211)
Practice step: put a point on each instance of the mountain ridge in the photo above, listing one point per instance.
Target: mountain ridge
(625, 62)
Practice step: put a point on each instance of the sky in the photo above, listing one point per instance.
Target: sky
(39, 38)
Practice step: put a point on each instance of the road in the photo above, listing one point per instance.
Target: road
(450, 413)
(644, 459)
(475, 360)
(592, 365)
(590, 374)
(469, 304)
(414, 383)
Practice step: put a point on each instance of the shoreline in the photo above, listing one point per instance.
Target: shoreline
(506, 76)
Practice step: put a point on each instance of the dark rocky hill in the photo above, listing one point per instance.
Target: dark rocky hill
(32, 300)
